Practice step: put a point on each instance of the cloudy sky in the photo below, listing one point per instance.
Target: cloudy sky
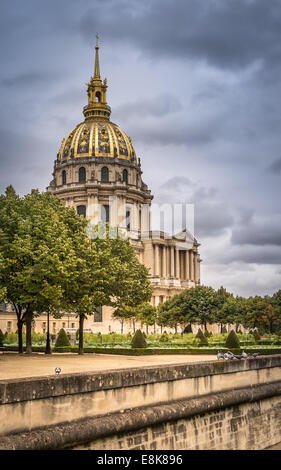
(197, 86)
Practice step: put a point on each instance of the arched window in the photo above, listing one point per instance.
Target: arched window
(128, 218)
(98, 97)
(82, 175)
(63, 177)
(125, 176)
(81, 210)
(104, 174)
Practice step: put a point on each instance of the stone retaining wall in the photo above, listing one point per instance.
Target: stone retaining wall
(83, 410)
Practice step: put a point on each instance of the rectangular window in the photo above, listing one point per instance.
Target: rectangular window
(54, 327)
(72, 325)
(9, 326)
(105, 214)
(98, 315)
(128, 218)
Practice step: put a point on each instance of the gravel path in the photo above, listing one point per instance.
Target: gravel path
(13, 365)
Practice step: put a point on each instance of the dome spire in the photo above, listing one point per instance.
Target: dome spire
(97, 63)
(97, 107)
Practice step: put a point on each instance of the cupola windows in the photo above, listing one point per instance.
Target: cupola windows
(104, 174)
(82, 175)
(63, 177)
(125, 176)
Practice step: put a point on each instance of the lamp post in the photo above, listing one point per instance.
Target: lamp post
(48, 344)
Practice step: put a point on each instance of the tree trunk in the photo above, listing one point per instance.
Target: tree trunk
(29, 318)
(122, 326)
(147, 329)
(81, 329)
(154, 328)
(18, 310)
(48, 342)
(134, 325)
(20, 343)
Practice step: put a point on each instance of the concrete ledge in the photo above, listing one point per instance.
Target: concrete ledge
(21, 390)
(69, 435)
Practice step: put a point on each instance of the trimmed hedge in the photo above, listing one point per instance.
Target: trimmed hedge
(151, 351)
(232, 341)
(62, 339)
(138, 340)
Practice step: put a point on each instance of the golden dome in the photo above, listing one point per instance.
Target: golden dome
(97, 138)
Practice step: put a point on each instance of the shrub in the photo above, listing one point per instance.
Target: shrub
(164, 338)
(1, 338)
(138, 340)
(201, 338)
(232, 341)
(62, 339)
(200, 334)
(188, 329)
(256, 335)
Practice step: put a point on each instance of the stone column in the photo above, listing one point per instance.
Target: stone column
(164, 261)
(156, 260)
(186, 265)
(191, 264)
(177, 264)
(195, 267)
(93, 209)
(172, 265)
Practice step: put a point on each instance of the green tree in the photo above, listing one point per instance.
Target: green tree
(107, 273)
(36, 234)
(199, 305)
(221, 314)
(2, 337)
(146, 313)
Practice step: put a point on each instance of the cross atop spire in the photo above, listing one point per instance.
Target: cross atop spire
(97, 106)
(97, 64)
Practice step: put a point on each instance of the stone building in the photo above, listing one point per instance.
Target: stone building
(98, 173)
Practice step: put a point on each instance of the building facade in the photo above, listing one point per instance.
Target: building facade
(98, 173)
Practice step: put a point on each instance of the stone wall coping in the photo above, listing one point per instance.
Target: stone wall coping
(34, 388)
(69, 435)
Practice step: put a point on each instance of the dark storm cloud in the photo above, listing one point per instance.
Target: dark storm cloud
(16, 169)
(252, 255)
(159, 106)
(275, 167)
(30, 79)
(227, 34)
(212, 216)
(266, 231)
